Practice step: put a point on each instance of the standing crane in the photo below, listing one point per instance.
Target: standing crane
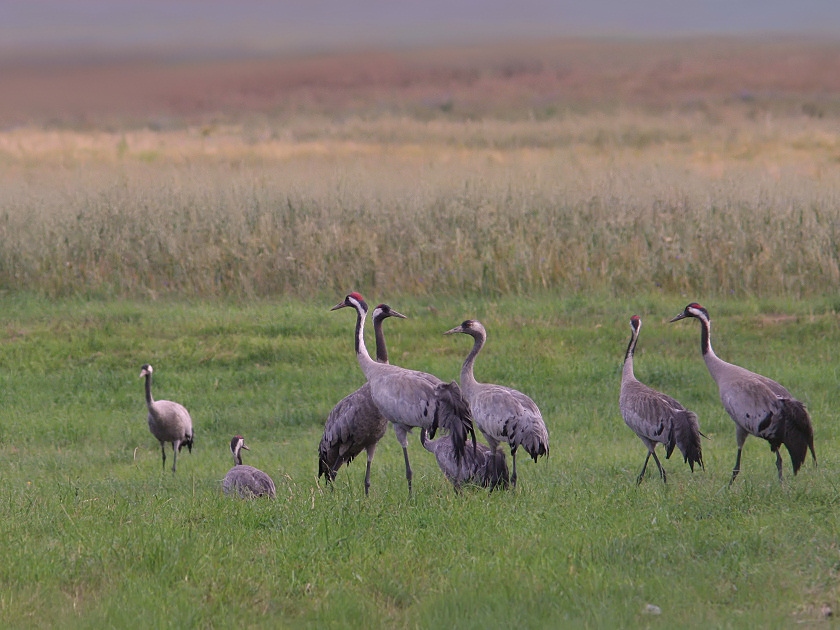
(407, 398)
(246, 481)
(355, 424)
(655, 417)
(168, 421)
(758, 405)
(501, 413)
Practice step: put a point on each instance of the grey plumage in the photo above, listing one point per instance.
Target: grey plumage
(479, 465)
(355, 424)
(246, 481)
(407, 398)
(168, 421)
(502, 414)
(656, 417)
(758, 405)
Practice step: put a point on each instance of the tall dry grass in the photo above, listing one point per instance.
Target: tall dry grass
(695, 201)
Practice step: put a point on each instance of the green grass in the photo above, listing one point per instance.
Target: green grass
(97, 535)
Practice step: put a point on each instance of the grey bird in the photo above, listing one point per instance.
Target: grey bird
(501, 413)
(355, 424)
(168, 421)
(407, 398)
(246, 481)
(479, 465)
(758, 405)
(655, 417)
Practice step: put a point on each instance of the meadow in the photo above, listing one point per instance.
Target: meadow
(99, 535)
(551, 192)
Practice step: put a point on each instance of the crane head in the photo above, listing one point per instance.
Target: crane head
(237, 442)
(693, 310)
(383, 310)
(354, 300)
(469, 327)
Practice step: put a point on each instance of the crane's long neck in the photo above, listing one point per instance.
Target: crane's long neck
(467, 375)
(149, 400)
(381, 350)
(713, 362)
(627, 371)
(365, 362)
(237, 457)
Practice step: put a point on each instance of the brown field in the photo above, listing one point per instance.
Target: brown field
(703, 166)
(511, 79)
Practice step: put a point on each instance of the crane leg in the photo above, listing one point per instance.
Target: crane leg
(407, 468)
(644, 468)
(174, 455)
(661, 470)
(370, 451)
(779, 464)
(513, 457)
(494, 474)
(737, 468)
(163, 452)
(367, 477)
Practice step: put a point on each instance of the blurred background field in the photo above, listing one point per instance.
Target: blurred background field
(691, 165)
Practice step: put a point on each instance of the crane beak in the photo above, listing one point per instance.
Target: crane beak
(245, 446)
(338, 306)
(396, 314)
(457, 329)
(679, 317)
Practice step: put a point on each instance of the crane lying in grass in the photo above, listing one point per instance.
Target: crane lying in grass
(479, 464)
(246, 481)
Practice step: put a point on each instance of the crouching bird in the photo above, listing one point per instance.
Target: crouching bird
(246, 481)
(481, 467)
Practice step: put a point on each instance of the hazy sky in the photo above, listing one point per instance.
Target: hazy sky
(319, 24)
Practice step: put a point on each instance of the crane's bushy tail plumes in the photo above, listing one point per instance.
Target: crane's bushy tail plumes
(799, 434)
(327, 457)
(452, 413)
(686, 434)
(188, 443)
(535, 441)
